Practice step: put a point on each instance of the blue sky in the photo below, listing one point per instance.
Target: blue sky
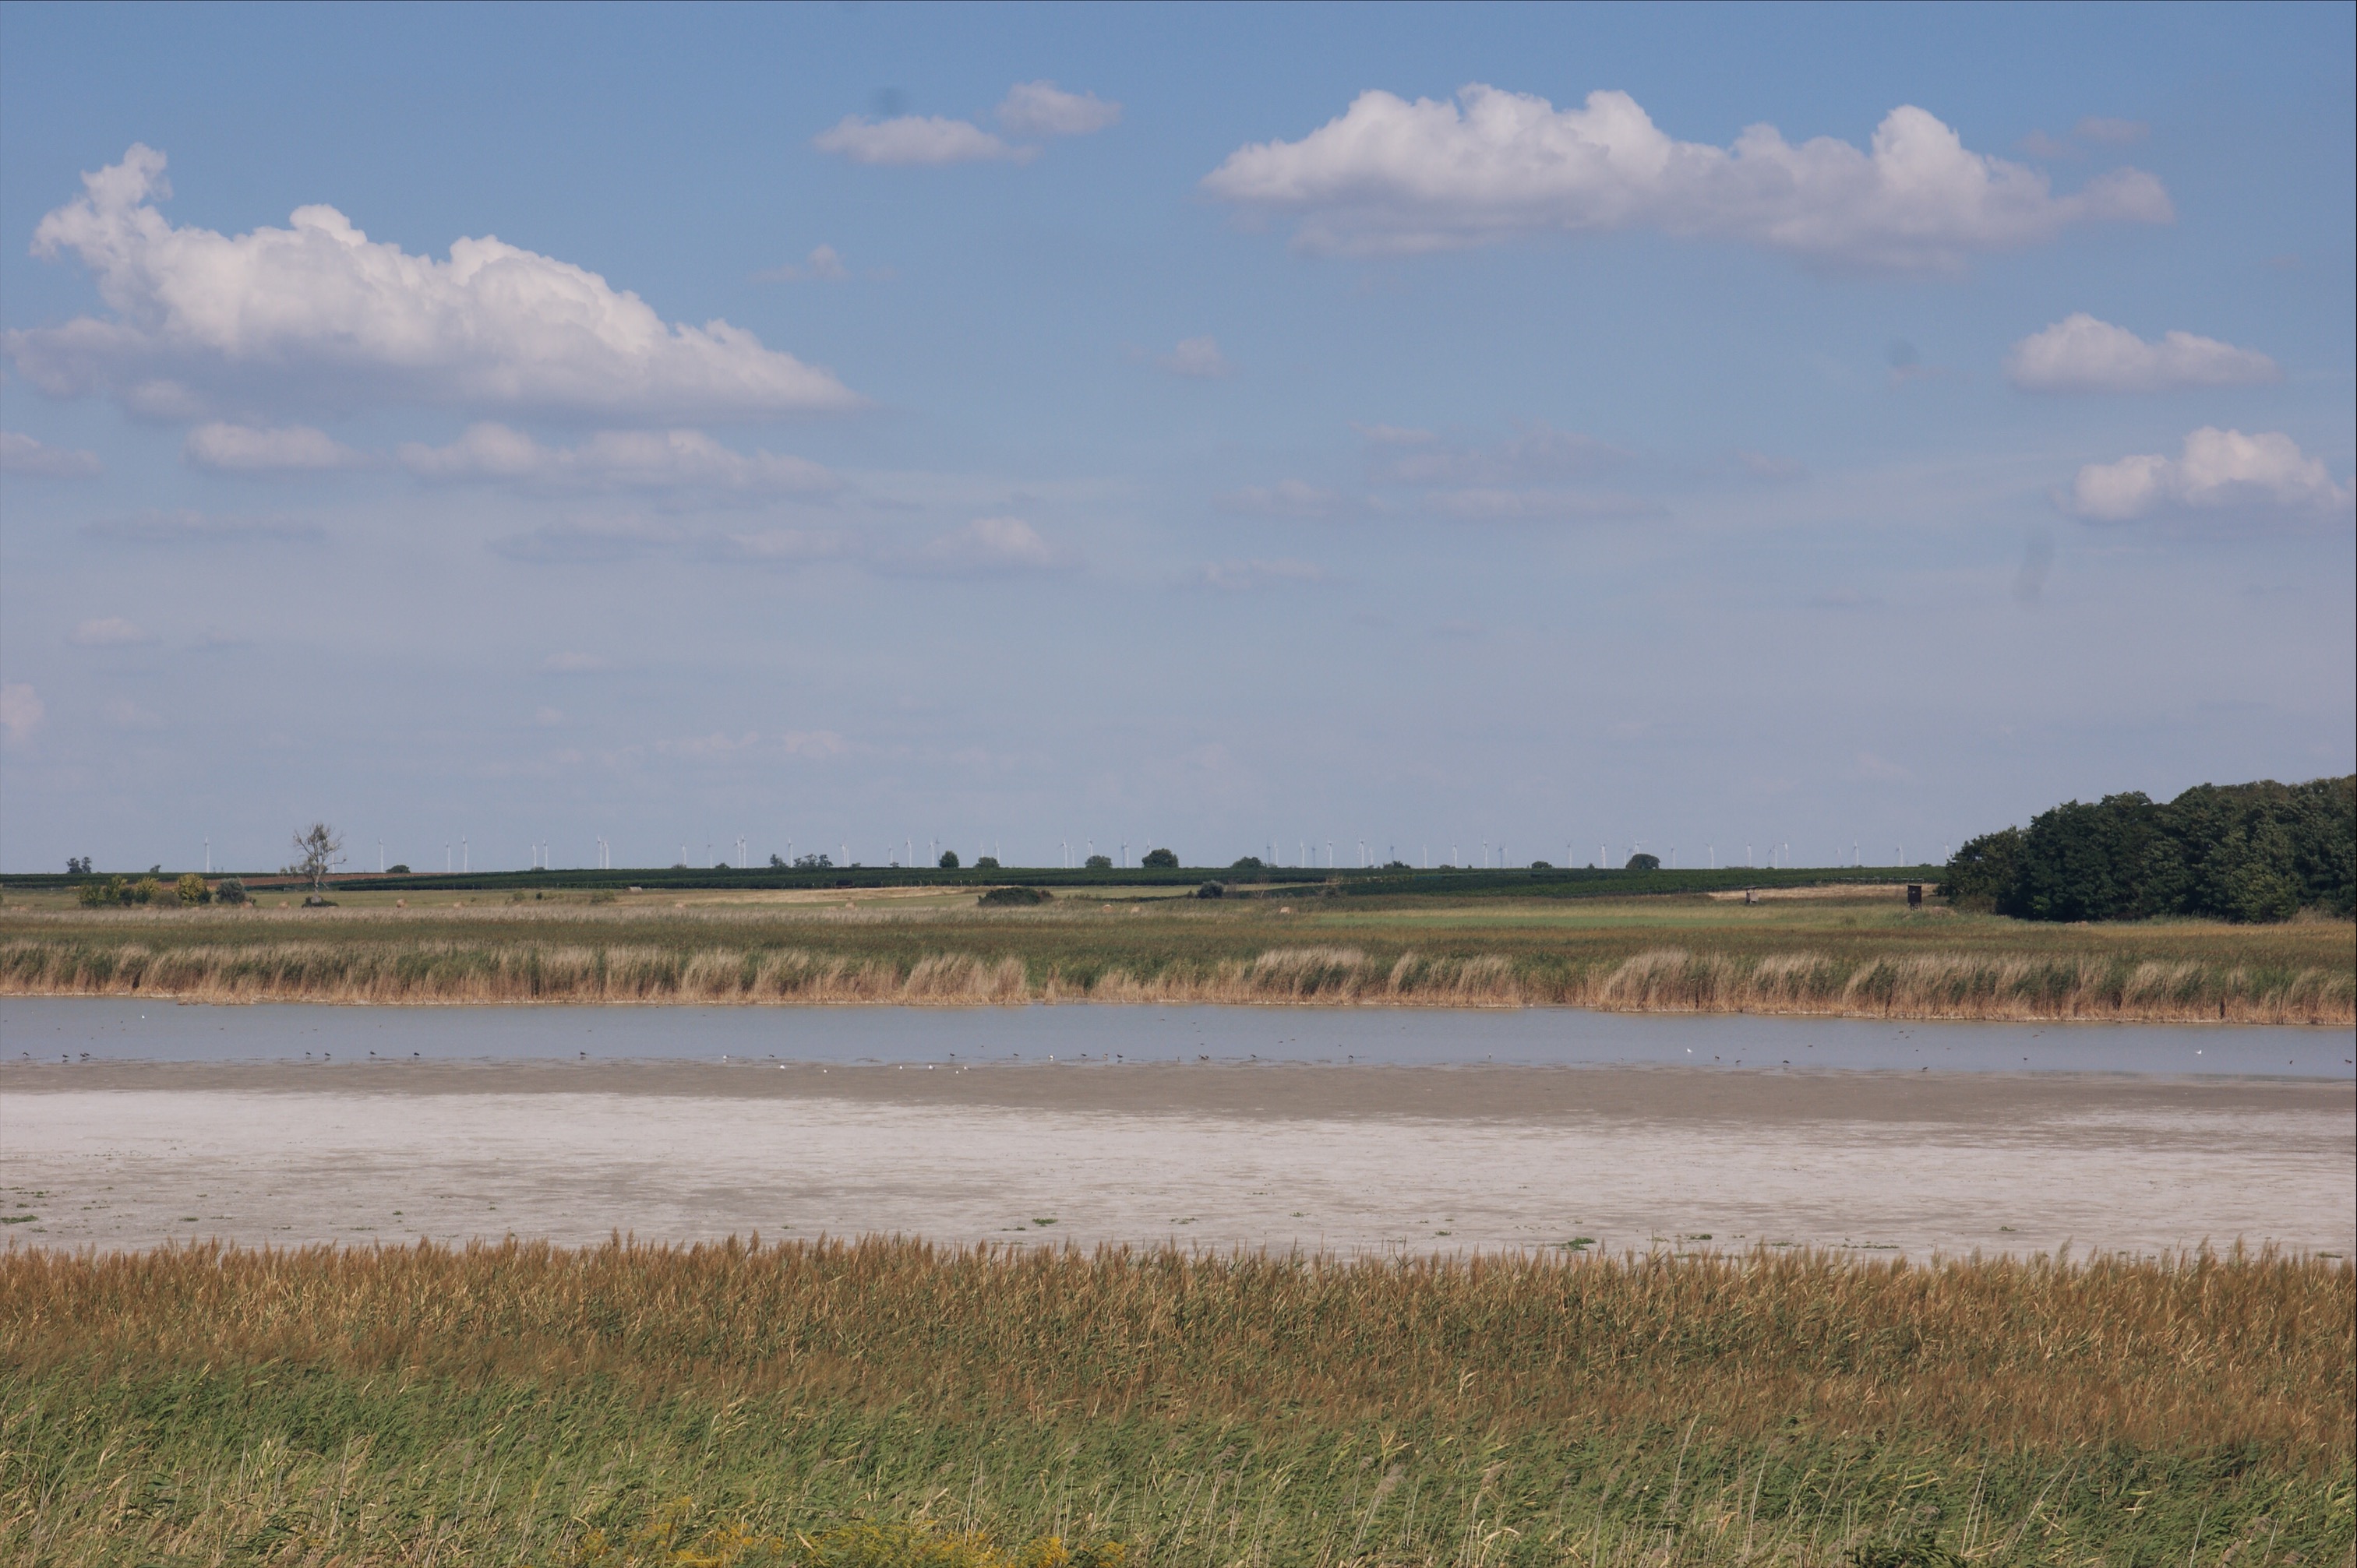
(1547, 428)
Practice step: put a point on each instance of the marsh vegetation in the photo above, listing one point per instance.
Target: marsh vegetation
(1848, 953)
(519, 1402)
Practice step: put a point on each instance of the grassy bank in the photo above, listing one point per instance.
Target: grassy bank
(1856, 953)
(522, 1403)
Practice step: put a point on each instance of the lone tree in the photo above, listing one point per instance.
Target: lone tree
(948, 860)
(317, 851)
(1643, 863)
(1161, 859)
(1097, 862)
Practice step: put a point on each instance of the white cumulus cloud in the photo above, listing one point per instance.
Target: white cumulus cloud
(21, 712)
(2080, 353)
(916, 139)
(22, 455)
(316, 311)
(1391, 175)
(2217, 470)
(246, 450)
(1042, 108)
(615, 460)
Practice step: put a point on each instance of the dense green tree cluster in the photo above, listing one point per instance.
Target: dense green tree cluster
(2230, 852)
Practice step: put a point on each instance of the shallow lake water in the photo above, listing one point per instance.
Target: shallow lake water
(109, 1029)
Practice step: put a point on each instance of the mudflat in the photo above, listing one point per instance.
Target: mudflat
(1351, 1159)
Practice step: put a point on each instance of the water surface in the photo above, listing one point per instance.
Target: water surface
(112, 1030)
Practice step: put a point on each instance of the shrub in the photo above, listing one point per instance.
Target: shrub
(397, 869)
(1097, 862)
(146, 890)
(949, 861)
(1211, 890)
(192, 889)
(97, 895)
(1016, 895)
(1161, 859)
(1249, 862)
(229, 891)
(1642, 861)
(1541, 865)
(986, 862)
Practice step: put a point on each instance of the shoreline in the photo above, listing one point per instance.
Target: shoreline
(2245, 1013)
(1349, 1160)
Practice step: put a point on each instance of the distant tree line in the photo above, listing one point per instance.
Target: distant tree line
(2230, 852)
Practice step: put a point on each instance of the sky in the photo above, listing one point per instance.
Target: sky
(1473, 434)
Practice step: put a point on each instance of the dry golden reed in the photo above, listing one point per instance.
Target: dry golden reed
(1950, 984)
(2253, 1349)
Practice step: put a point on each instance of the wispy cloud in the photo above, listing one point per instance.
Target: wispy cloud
(1478, 504)
(1287, 497)
(1197, 358)
(916, 141)
(26, 458)
(616, 460)
(194, 527)
(824, 264)
(21, 712)
(109, 631)
(988, 546)
(245, 450)
(1043, 109)
(1240, 576)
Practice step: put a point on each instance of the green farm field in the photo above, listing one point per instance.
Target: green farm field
(1840, 950)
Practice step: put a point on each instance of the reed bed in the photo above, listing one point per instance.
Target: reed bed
(496, 967)
(810, 1402)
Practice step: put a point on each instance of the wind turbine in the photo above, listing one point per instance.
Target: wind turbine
(209, 854)
(466, 861)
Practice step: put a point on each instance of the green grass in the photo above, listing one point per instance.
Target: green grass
(625, 1405)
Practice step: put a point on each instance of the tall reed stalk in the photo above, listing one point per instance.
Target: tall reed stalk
(742, 1402)
(520, 969)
